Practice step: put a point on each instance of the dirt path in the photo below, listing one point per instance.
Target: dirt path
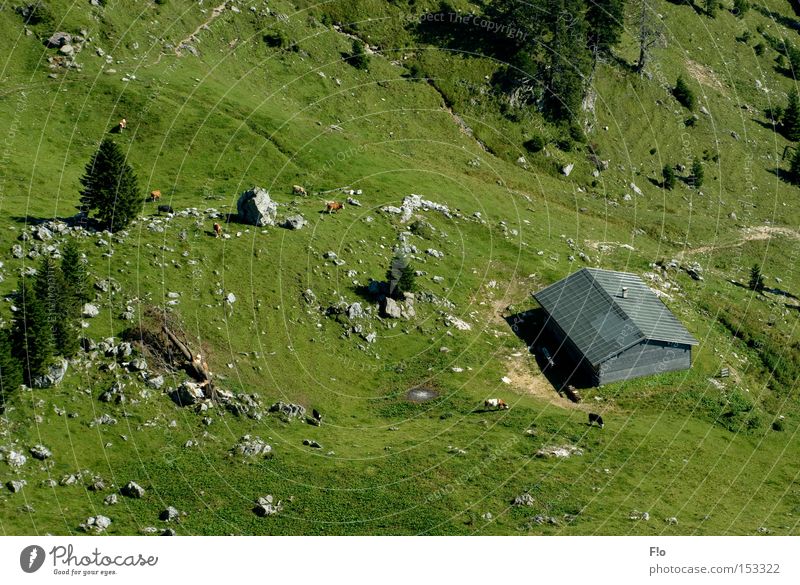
(214, 14)
(749, 234)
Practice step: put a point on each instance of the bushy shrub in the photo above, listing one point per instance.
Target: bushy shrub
(276, 39)
(740, 7)
(535, 144)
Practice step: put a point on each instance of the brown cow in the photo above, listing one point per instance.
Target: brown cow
(155, 195)
(334, 206)
(217, 230)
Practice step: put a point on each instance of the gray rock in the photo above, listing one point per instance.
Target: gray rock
(567, 169)
(169, 514)
(55, 374)
(294, 222)
(288, 409)
(110, 500)
(524, 500)
(251, 446)
(138, 365)
(16, 485)
(16, 251)
(89, 311)
(155, 381)
(42, 233)
(256, 208)
(132, 490)
(265, 506)
(187, 393)
(96, 524)
(391, 308)
(58, 39)
(40, 452)
(355, 311)
(114, 394)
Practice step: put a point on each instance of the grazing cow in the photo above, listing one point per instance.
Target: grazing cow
(333, 206)
(165, 209)
(495, 403)
(317, 416)
(299, 190)
(155, 195)
(123, 124)
(217, 230)
(595, 418)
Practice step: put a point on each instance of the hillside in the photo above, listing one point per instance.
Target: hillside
(219, 99)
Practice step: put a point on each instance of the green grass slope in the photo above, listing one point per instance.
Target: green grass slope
(212, 110)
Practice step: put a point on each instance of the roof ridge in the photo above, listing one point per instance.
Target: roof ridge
(622, 313)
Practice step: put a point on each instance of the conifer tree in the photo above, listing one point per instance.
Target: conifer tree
(669, 177)
(791, 117)
(76, 279)
(569, 61)
(10, 368)
(605, 19)
(697, 173)
(110, 188)
(31, 334)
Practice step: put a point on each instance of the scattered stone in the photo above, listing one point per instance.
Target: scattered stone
(559, 451)
(265, 506)
(16, 485)
(251, 447)
(55, 374)
(137, 365)
(169, 514)
(524, 500)
(391, 308)
(672, 521)
(288, 409)
(110, 500)
(256, 208)
(187, 394)
(155, 381)
(96, 524)
(40, 452)
(294, 222)
(114, 394)
(567, 169)
(89, 311)
(132, 490)
(58, 40)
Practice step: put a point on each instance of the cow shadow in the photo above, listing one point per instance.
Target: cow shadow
(561, 369)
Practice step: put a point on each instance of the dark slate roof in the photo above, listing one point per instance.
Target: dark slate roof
(588, 306)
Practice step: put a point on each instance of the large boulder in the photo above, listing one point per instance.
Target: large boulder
(187, 393)
(391, 308)
(58, 39)
(54, 375)
(256, 208)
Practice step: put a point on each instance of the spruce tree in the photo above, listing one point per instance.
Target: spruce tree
(697, 173)
(711, 7)
(791, 117)
(31, 334)
(568, 59)
(51, 292)
(10, 368)
(794, 167)
(358, 57)
(110, 188)
(76, 279)
(756, 278)
(669, 177)
(683, 93)
(400, 276)
(605, 20)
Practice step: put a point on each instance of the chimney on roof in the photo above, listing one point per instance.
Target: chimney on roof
(624, 292)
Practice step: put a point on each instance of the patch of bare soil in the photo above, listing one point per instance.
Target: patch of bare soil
(704, 75)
